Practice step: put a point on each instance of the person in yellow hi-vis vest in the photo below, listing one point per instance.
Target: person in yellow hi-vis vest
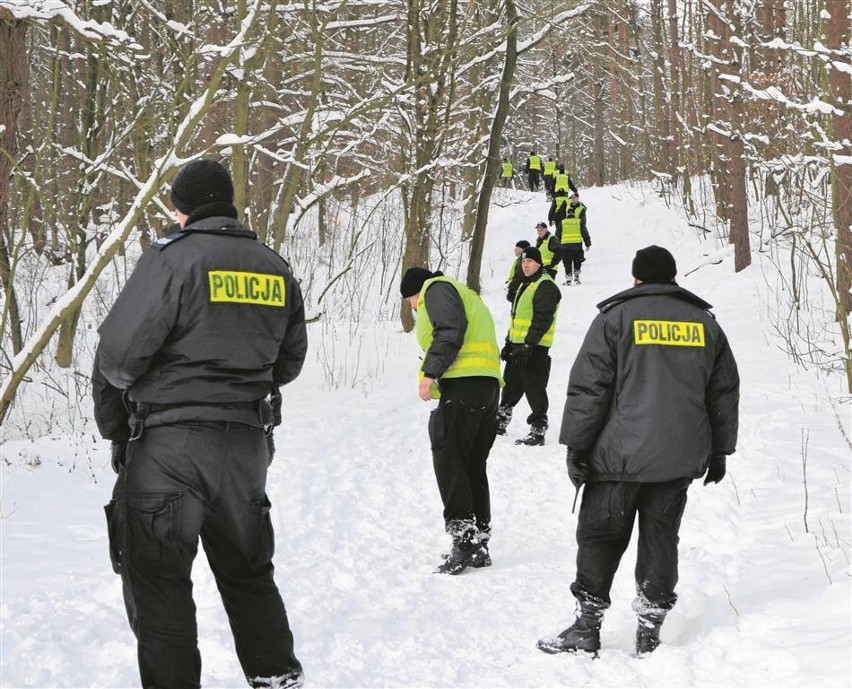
(460, 368)
(507, 173)
(527, 348)
(516, 273)
(548, 174)
(573, 234)
(533, 170)
(548, 245)
(562, 180)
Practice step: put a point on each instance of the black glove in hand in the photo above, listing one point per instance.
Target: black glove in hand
(117, 454)
(270, 445)
(578, 466)
(522, 355)
(716, 469)
(506, 352)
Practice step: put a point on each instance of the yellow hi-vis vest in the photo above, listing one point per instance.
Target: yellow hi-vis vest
(479, 354)
(549, 168)
(560, 181)
(522, 314)
(507, 169)
(512, 269)
(546, 253)
(535, 162)
(571, 226)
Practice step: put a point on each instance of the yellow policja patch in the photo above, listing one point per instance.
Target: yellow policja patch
(246, 288)
(674, 333)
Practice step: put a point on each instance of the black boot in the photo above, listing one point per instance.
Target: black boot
(584, 635)
(504, 416)
(648, 632)
(535, 436)
(467, 551)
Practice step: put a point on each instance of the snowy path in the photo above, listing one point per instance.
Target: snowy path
(359, 529)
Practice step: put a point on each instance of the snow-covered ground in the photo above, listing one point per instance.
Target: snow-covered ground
(764, 563)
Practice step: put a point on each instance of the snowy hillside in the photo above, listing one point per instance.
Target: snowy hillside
(764, 592)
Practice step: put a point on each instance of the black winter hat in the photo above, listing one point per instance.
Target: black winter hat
(523, 244)
(412, 281)
(533, 254)
(199, 183)
(654, 264)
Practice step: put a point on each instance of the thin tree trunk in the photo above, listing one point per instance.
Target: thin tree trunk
(13, 78)
(492, 164)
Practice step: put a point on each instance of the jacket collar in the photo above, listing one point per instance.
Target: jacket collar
(647, 289)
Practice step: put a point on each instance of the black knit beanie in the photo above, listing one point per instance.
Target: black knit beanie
(523, 244)
(533, 254)
(654, 264)
(199, 183)
(412, 281)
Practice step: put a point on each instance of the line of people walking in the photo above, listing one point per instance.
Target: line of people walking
(186, 386)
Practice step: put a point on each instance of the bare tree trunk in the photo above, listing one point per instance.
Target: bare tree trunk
(675, 69)
(840, 91)
(13, 77)
(736, 151)
(492, 164)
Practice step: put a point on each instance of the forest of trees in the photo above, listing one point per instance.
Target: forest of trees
(330, 114)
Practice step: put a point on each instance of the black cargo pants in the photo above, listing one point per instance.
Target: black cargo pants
(529, 379)
(604, 528)
(462, 430)
(180, 482)
(572, 257)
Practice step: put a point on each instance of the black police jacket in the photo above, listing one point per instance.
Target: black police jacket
(209, 320)
(654, 390)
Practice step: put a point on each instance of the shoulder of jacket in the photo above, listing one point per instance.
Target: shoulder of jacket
(278, 256)
(169, 239)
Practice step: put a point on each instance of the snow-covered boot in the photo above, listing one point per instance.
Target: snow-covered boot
(576, 277)
(504, 416)
(584, 635)
(569, 280)
(467, 550)
(291, 680)
(648, 632)
(535, 436)
(483, 534)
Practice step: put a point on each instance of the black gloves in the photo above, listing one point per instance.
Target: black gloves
(578, 466)
(716, 469)
(117, 454)
(522, 355)
(506, 352)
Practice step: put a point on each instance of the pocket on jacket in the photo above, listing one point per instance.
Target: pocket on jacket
(154, 523)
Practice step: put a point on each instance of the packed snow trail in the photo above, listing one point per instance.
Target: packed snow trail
(359, 529)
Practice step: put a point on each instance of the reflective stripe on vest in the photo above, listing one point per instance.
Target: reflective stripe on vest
(571, 226)
(535, 162)
(479, 354)
(560, 181)
(522, 314)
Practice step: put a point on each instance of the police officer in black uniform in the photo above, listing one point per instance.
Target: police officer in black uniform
(652, 404)
(208, 326)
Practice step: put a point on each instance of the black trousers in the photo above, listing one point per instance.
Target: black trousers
(530, 380)
(572, 257)
(534, 179)
(604, 528)
(462, 430)
(181, 482)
